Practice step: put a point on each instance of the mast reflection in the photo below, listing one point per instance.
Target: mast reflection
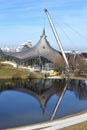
(59, 100)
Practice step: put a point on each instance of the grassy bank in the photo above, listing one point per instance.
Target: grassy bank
(81, 126)
(8, 72)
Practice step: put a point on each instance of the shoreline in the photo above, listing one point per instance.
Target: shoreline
(50, 77)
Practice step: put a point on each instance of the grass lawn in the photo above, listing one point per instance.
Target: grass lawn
(81, 126)
(8, 72)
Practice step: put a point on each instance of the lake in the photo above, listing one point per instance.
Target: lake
(32, 101)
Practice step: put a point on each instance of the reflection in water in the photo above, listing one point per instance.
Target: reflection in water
(47, 87)
(42, 90)
(46, 92)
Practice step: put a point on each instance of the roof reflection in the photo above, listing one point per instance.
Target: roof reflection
(43, 89)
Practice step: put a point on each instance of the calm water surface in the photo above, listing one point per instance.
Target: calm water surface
(28, 102)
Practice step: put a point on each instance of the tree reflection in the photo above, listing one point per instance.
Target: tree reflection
(79, 87)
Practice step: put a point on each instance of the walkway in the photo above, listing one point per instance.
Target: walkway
(56, 124)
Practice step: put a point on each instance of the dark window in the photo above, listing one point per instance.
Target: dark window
(43, 47)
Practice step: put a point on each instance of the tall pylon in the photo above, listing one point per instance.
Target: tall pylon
(57, 39)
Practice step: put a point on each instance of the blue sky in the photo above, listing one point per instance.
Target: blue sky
(22, 20)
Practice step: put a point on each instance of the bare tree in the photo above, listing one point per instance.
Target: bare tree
(77, 63)
(59, 64)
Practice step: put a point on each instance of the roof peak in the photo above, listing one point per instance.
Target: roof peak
(43, 31)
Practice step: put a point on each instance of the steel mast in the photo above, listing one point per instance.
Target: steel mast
(57, 38)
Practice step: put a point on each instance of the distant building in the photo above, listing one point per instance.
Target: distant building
(28, 43)
(24, 46)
